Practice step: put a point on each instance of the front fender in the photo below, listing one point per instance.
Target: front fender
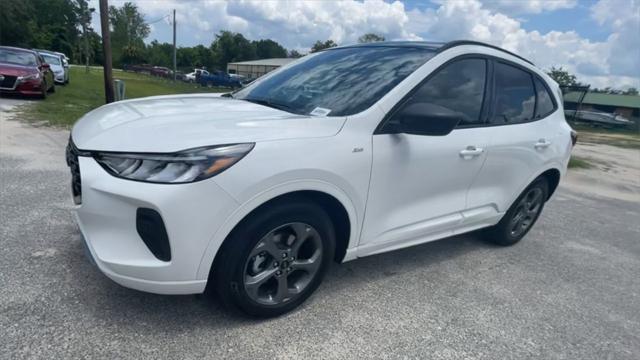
(284, 188)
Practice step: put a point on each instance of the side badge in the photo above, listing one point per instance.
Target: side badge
(357, 150)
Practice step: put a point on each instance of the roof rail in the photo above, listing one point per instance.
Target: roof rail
(455, 43)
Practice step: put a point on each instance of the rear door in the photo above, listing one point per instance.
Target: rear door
(521, 127)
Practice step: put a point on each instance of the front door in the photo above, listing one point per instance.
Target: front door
(419, 183)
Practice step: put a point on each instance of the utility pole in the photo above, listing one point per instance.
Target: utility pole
(106, 49)
(174, 45)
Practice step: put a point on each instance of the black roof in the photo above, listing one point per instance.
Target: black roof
(407, 44)
(431, 45)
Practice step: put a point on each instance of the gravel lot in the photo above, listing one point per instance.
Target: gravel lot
(570, 290)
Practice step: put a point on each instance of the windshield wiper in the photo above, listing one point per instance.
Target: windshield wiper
(271, 104)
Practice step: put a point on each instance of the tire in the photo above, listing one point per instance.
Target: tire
(255, 250)
(521, 216)
(43, 96)
(52, 89)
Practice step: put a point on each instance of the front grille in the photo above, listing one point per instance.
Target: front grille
(9, 82)
(72, 162)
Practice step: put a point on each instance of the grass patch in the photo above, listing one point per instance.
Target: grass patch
(579, 163)
(628, 141)
(624, 138)
(85, 92)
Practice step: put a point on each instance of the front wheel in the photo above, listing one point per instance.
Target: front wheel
(275, 260)
(521, 216)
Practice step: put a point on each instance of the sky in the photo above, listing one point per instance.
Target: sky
(597, 40)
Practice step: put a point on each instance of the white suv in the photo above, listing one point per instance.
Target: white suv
(345, 153)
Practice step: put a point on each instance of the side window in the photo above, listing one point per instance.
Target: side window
(544, 106)
(458, 87)
(515, 96)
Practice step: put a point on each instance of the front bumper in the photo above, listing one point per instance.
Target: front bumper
(28, 87)
(107, 219)
(59, 78)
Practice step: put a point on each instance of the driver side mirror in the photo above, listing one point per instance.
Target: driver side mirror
(426, 119)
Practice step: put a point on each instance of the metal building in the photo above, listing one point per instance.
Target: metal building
(255, 68)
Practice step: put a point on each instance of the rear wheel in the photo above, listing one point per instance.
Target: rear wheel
(521, 216)
(275, 260)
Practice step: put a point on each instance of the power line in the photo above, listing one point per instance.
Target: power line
(157, 20)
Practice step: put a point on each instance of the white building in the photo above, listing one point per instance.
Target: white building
(255, 68)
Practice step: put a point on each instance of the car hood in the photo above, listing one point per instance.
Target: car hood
(56, 68)
(16, 70)
(173, 123)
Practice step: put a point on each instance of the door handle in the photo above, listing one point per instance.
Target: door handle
(542, 144)
(471, 152)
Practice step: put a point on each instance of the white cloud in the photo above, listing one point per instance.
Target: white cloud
(297, 24)
(593, 62)
(517, 7)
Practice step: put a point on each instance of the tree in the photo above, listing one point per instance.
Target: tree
(128, 34)
(631, 91)
(319, 45)
(17, 23)
(160, 54)
(294, 54)
(83, 12)
(229, 47)
(44, 24)
(370, 37)
(268, 49)
(562, 76)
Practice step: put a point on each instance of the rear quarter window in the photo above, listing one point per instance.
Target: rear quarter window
(545, 104)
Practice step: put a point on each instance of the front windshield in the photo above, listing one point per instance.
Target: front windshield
(337, 82)
(50, 59)
(17, 57)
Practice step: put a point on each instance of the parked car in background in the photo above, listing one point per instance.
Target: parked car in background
(55, 61)
(24, 72)
(65, 64)
(161, 71)
(180, 76)
(219, 78)
(139, 68)
(194, 76)
(349, 152)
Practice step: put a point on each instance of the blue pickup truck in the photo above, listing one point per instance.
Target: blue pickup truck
(219, 78)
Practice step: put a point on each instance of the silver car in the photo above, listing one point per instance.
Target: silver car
(55, 61)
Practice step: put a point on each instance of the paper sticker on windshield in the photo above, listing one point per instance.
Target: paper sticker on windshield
(320, 112)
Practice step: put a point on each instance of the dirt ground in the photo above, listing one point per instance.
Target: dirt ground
(614, 170)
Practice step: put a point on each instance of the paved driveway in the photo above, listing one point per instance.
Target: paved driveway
(570, 290)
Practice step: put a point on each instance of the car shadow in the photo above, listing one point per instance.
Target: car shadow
(111, 303)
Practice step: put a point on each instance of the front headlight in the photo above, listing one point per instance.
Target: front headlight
(174, 168)
(29, 77)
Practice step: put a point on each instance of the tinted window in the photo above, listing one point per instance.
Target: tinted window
(515, 95)
(544, 106)
(459, 87)
(50, 59)
(339, 82)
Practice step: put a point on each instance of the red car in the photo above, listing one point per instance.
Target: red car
(24, 72)
(161, 71)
